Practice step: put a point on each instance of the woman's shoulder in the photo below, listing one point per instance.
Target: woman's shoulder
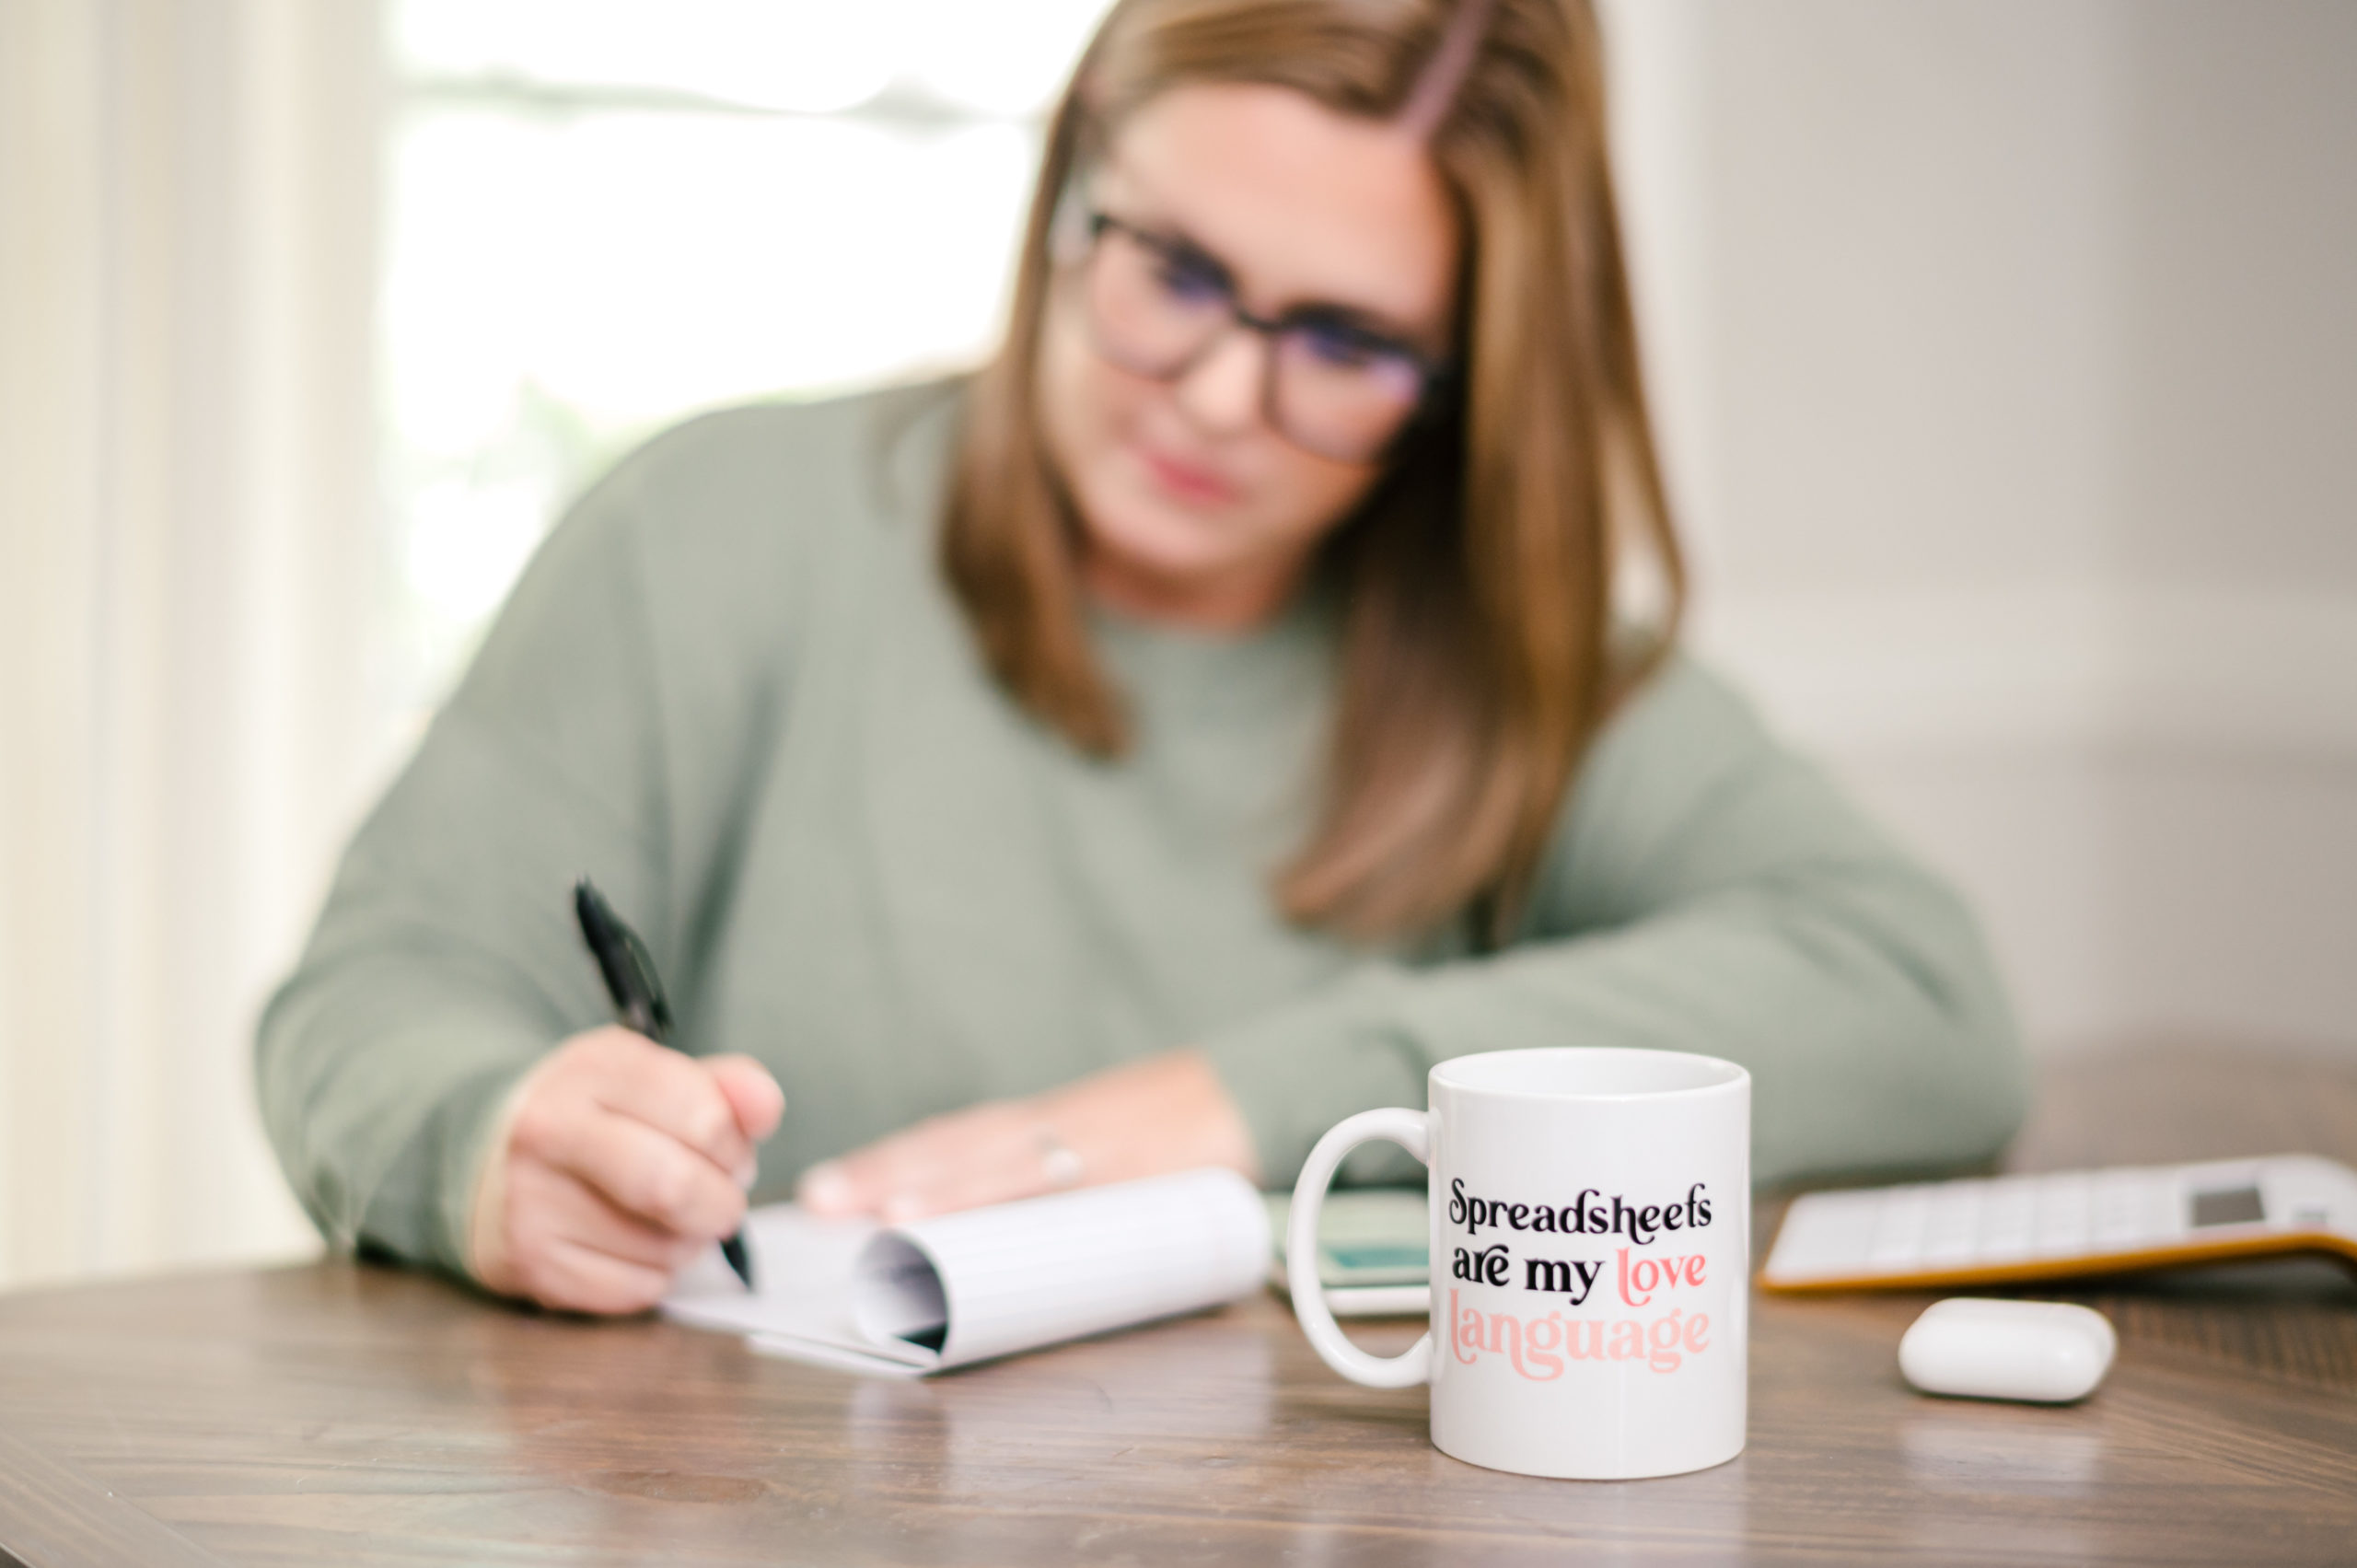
(731, 516)
(1678, 714)
(772, 470)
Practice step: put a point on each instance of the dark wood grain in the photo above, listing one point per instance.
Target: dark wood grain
(353, 1414)
(55, 1515)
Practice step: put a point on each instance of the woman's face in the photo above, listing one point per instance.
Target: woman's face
(1193, 508)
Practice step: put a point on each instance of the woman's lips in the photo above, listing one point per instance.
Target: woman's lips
(1185, 480)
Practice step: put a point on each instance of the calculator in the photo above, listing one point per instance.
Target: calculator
(2064, 1224)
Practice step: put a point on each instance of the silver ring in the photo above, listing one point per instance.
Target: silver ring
(1058, 1163)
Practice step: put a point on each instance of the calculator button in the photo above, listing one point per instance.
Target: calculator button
(2065, 1215)
(1899, 1227)
(2008, 1216)
(1826, 1234)
(2130, 1209)
(1952, 1227)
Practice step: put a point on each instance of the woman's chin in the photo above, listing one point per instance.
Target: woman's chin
(1156, 543)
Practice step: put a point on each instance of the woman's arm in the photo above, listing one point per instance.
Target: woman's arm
(1707, 891)
(601, 731)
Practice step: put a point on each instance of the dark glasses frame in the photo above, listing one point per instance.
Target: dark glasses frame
(1432, 374)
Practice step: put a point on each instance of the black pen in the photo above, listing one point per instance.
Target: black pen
(638, 996)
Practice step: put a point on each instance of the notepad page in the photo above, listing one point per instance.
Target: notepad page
(804, 1269)
(965, 1287)
(1020, 1275)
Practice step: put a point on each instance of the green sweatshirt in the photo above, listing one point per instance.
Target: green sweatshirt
(734, 689)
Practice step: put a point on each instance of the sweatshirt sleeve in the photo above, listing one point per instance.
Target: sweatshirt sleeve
(1708, 891)
(598, 732)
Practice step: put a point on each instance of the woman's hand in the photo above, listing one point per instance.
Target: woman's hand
(616, 1162)
(1165, 1113)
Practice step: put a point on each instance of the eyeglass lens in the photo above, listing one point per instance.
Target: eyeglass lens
(1331, 390)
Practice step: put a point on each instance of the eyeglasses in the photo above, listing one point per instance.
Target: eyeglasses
(1333, 383)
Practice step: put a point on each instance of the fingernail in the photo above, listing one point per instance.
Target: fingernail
(901, 1208)
(825, 1186)
(748, 1173)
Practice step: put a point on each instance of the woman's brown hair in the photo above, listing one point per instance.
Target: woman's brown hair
(1477, 578)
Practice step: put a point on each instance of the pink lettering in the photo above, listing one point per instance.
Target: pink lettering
(1664, 1338)
(1509, 1329)
(1531, 1347)
(1625, 1280)
(1468, 1331)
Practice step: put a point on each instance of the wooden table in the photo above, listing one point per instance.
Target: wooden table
(360, 1415)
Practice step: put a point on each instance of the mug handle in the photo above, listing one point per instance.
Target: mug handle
(1411, 1130)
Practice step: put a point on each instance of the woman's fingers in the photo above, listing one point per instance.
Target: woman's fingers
(644, 1172)
(990, 1154)
(678, 1096)
(1003, 1176)
(649, 1128)
(621, 1160)
(1162, 1113)
(759, 1103)
(575, 1277)
(569, 1247)
(553, 1204)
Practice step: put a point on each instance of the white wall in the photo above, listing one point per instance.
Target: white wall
(2009, 357)
(187, 257)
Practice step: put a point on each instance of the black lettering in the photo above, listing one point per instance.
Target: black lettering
(1649, 1219)
(1595, 1219)
(1456, 1202)
(1543, 1218)
(1487, 1266)
(1671, 1216)
(1460, 1267)
(1574, 1279)
(1578, 1211)
(1548, 1274)
(1516, 1214)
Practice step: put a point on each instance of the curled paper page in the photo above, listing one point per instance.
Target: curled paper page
(990, 1282)
(965, 1287)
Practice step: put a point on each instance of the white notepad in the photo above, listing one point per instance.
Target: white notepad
(908, 1300)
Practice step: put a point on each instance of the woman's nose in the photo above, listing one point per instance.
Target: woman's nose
(1221, 391)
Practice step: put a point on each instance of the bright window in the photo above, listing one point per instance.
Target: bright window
(605, 214)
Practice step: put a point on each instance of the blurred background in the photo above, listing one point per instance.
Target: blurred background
(2005, 352)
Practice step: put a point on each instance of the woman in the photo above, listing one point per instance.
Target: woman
(1142, 757)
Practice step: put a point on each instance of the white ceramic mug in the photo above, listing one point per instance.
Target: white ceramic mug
(1591, 1230)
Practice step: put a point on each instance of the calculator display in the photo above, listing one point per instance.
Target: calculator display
(2227, 1206)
